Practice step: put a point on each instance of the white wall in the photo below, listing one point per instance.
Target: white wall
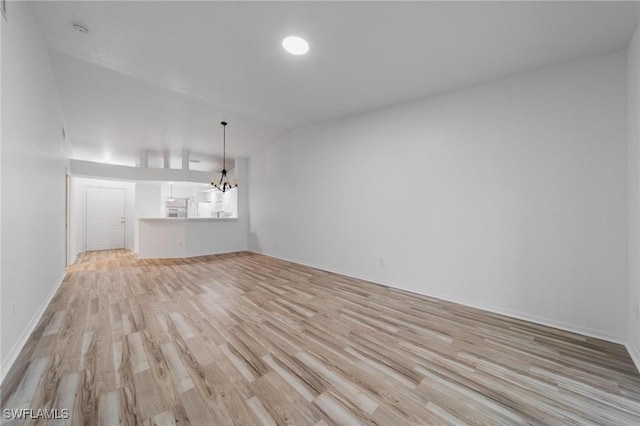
(147, 204)
(33, 181)
(5, 363)
(509, 196)
(633, 124)
(148, 199)
(78, 221)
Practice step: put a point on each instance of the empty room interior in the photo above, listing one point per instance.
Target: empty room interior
(320, 213)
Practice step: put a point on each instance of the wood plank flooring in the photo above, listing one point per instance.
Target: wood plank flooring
(247, 339)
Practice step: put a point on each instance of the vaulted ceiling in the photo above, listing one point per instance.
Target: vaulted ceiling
(162, 75)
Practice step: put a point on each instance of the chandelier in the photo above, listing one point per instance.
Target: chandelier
(224, 184)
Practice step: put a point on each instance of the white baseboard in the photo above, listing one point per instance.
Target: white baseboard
(561, 325)
(11, 357)
(573, 328)
(635, 354)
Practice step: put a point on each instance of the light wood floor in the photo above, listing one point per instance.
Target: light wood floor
(247, 339)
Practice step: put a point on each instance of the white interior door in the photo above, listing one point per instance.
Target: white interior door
(105, 218)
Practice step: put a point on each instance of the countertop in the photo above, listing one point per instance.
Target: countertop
(186, 219)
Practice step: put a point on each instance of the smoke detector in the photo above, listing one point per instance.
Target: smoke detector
(79, 28)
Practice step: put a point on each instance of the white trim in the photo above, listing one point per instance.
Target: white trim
(635, 354)
(573, 328)
(561, 325)
(75, 257)
(11, 357)
(67, 216)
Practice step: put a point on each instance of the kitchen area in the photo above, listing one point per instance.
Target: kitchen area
(155, 218)
(184, 200)
(185, 219)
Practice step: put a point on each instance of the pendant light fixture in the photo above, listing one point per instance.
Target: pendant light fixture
(224, 184)
(171, 199)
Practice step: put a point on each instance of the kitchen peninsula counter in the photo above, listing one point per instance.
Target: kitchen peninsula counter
(177, 237)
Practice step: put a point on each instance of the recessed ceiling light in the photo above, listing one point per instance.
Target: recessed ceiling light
(295, 45)
(79, 28)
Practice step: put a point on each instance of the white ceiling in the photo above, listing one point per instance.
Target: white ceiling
(162, 75)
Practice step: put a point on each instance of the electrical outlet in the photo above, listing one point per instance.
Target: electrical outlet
(381, 262)
(13, 309)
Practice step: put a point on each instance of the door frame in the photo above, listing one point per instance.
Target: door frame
(67, 216)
